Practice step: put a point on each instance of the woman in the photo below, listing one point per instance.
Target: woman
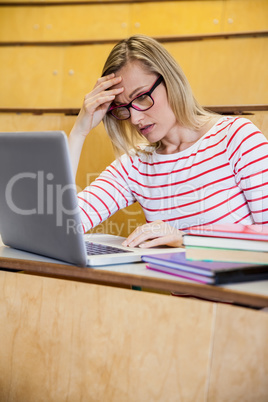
(184, 165)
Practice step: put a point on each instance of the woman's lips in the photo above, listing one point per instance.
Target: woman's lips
(146, 129)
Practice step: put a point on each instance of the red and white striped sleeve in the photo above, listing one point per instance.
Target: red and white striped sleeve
(107, 194)
(247, 151)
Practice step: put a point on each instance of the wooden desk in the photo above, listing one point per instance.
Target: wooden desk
(254, 294)
(66, 340)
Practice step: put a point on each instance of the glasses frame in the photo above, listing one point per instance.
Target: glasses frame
(129, 105)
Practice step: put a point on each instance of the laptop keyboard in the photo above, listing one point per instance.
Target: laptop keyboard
(96, 249)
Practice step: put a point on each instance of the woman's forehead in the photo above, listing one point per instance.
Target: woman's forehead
(133, 72)
(135, 78)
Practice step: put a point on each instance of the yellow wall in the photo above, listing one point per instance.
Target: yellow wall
(220, 70)
(106, 21)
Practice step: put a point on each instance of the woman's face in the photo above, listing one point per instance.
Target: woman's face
(157, 123)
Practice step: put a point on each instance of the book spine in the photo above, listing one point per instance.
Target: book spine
(225, 278)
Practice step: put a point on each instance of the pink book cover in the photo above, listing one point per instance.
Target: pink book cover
(232, 231)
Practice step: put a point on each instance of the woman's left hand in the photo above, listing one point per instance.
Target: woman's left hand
(157, 233)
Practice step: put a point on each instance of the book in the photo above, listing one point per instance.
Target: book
(211, 272)
(224, 254)
(182, 274)
(224, 242)
(233, 231)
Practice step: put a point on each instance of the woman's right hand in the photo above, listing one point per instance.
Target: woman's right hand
(96, 104)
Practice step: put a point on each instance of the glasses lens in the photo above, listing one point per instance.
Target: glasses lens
(143, 102)
(121, 113)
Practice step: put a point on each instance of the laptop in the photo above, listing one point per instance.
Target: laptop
(39, 212)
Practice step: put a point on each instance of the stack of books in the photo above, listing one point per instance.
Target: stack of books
(233, 243)
(217, 254)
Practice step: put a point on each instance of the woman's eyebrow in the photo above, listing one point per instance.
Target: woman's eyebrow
(136, 91)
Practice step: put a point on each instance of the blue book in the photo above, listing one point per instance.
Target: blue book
(208, 272)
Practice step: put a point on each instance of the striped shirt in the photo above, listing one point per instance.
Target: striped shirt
(222, 178)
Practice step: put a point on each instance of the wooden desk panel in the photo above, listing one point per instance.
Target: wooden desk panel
(69, 341)
(239, 365)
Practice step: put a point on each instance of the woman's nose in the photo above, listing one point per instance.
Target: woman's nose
(135, 116)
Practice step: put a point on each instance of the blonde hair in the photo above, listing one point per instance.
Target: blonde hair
(156, 59)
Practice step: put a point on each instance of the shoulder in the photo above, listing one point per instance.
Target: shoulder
(236, 128)
(244, 141)
(237, 123)
(226, 122)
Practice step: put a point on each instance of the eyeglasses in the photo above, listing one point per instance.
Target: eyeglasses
(141, 103)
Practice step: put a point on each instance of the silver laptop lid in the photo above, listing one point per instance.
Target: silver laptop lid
(38, 203)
